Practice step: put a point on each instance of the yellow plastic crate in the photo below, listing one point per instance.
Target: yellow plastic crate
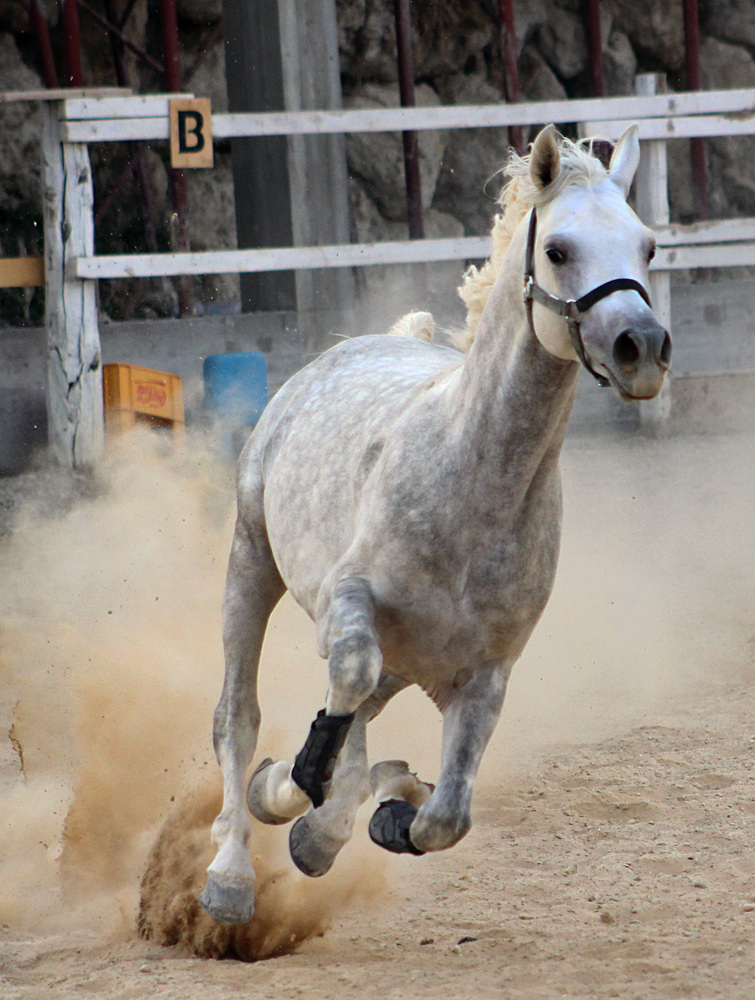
(142, 395)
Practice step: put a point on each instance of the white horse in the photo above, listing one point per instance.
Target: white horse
(408, 496)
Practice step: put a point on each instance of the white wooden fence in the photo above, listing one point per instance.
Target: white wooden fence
(72, 267)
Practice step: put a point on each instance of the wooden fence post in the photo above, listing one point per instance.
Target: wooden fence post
(651, 192)
(74, 364)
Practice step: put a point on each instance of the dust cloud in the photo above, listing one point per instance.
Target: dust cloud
(110, 669)
(111, 665)
(289, 907)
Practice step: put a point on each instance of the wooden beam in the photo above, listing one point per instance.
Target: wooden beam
(74, 363)
(278, 258)
(60, 93)
(681, 127)
(707, 232)
(660, 116)
(652, 205)
(116, 105)
(713, 255)
(239, 125)
(22, 272)
(729, 245)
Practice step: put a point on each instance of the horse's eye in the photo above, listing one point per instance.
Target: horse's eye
(651, 254)
(555, 255)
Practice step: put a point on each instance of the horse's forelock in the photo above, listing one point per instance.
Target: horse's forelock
(578, 166)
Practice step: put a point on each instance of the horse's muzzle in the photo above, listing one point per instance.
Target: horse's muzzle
(642, 355)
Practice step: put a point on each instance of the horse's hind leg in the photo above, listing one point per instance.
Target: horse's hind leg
(253, 588)
(316, 838)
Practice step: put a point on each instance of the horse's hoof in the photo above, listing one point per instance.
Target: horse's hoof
(310, 854)
(255, 792)
(389, 826)
(233, 904)
(392, 779)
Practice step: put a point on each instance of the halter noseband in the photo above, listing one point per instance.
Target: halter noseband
(570, 309)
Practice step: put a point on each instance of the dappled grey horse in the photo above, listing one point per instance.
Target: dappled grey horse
(408, 496)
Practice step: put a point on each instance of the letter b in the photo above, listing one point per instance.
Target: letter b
(190, 132)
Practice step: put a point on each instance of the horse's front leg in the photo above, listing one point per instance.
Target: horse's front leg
(278, 792)
(345, 635)
(317, 837)
(469, 719)
(253, 588)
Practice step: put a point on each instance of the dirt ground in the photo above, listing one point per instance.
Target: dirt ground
(612, 853)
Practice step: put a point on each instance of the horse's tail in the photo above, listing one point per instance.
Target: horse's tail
(415, 324)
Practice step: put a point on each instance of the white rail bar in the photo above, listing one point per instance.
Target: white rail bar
(279, 258)
(682, 127)
(683, 103)
(679, 247)
(114, 123)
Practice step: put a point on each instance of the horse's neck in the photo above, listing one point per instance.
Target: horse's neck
(513, 399)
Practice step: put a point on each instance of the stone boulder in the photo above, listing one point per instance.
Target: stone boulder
(528, 19)
(469, 180)
(209, 78)
(366, 41)
(619, 65)
(19, 134)
(656, 30)
(537, 81)
(729, 21)
(724, 66)
(446, 35)
(377, 158)
(730, 158)
(561, 40)
(212, 225)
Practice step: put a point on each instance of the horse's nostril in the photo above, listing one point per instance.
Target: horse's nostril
(666, 351)
(626, 351)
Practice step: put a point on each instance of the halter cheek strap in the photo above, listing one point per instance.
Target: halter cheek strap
(570, 309)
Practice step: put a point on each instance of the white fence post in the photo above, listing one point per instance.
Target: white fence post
(74, 364)
(651, 192)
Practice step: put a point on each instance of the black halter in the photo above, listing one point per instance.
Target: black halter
(570, 309)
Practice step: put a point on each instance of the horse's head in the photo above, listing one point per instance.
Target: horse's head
(588, 258)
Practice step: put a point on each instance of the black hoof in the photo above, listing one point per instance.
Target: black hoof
(389, 826)
(232, 904)
(315, 762)
(309, 856)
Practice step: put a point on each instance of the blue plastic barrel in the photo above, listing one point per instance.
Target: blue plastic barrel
(235, 387)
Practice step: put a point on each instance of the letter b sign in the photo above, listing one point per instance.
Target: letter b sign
(190, 133)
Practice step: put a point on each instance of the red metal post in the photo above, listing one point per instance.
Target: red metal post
(70, 20)
(510, 68)
(179, 191)
(171, 62)
(591, 17)
(694, 82)
(411, 143)
(38, 23)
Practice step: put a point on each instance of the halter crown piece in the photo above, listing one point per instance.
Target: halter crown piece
(570, 309)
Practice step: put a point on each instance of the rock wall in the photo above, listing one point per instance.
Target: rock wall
(457, 61)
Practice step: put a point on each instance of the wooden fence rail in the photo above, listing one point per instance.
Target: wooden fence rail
(72, 267)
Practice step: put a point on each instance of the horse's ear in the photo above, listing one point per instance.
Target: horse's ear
(625, 159)
(545, 158)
